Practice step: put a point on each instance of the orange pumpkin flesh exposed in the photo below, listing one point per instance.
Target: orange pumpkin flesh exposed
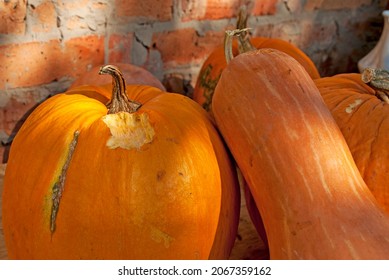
(312, 199)
(84, 184)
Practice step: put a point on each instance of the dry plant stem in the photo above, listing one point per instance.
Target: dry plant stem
(379, 80)
(119, 101)
(228, 37)
(244, 38)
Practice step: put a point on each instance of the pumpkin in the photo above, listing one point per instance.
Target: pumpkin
(132, 74)
(312, 199)
(133, 181)
(362, 114)
(214, 64)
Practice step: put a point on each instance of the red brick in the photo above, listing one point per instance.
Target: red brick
(293, 6)
(75, 23)
(83, 52)
(36, 63)
(335, 4)
(12, 16)
(46, 17)
(211, 9)
(185, 46)
(17, 108)
(72, 5)
(264, 7)
(220, 9)
(120, 48)
(150, 9)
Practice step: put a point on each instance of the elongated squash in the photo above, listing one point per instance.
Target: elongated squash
(310, 194)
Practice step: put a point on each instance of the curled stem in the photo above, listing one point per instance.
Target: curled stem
(244, 39)
(119, 101)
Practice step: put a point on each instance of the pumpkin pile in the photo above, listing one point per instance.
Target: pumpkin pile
(126, 170)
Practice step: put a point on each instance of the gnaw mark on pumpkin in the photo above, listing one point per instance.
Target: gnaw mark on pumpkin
(159, 236)
(128, 130)
(350, 108)
(59, 185)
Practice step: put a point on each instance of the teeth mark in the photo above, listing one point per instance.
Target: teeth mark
(159, 236)
(352, 106)
(128, 130)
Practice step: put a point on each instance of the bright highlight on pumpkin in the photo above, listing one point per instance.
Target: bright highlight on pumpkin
(128, 130)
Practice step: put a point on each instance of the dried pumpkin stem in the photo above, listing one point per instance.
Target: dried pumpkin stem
(244, 38)
(379, 80)
(228, 37)
(119, 101)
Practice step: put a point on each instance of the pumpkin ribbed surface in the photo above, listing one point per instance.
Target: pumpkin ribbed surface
(81, 184)
(364, 121)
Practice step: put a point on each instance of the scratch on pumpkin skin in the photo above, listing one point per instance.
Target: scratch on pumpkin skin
(306, 185)
(327, 235)
(351, 249)
(321, 172)
(59, 185)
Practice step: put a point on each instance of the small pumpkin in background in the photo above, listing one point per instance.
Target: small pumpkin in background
(126, 180)
(133, 75)
(362, 114)
(300, 171)
(215, 63)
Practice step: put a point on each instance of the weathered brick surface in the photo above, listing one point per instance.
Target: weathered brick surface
(336, 4)
(45, 44)
(120, 48)
(35, 63)
(150, 9)
(70, 6)
(177, 47)
(45, 17)
(221, 9)
(211, 9)
(12, 16)
(265, 7)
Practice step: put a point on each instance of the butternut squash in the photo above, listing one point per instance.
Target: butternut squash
(305, 183)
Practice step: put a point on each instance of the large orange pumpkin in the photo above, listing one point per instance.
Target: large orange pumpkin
(311, 196)
(137, 182)
(215, 63)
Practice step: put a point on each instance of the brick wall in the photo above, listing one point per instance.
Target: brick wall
(46, 44)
